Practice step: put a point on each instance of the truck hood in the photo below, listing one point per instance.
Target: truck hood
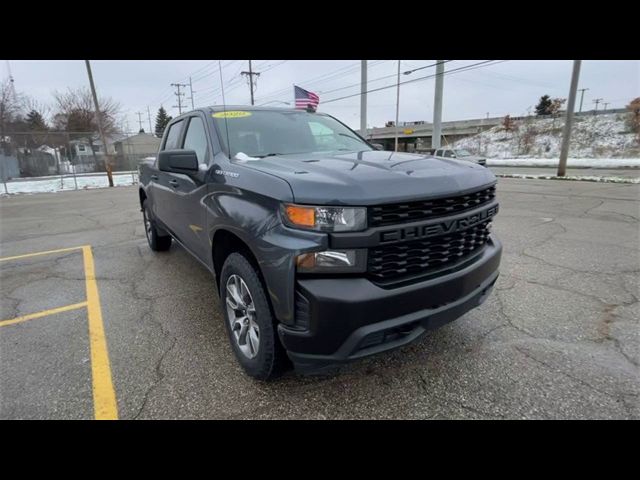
(371, 177)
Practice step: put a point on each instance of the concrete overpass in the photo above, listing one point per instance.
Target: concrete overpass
(416, 135)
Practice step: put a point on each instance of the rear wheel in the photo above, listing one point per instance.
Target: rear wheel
(157, 243)
(248, 319)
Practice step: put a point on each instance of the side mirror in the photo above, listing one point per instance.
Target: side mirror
(378, 146)
(178, 161)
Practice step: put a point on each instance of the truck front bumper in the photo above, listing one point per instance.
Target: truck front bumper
(343, 319)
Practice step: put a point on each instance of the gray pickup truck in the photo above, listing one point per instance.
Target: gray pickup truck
(460, 154)
(323, 249)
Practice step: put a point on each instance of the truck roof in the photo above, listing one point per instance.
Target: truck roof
(221, 108)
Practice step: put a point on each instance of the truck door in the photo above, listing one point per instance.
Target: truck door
(161, 189)
(186, 210)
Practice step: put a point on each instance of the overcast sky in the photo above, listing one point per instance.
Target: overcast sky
(508, 87)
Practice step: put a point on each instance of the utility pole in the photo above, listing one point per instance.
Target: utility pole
(566, 135)
(605, 105)
(397, 107)
(13, 87)
(149, 116)
(179, 95)
(140, 119)
(191, 90)
(250, 75)
(107, 160)
(596, 101)
(582, 90)
(363, 98)
(437, 106)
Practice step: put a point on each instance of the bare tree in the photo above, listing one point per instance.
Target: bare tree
(10, 106)
(74, 113)
(633, 117)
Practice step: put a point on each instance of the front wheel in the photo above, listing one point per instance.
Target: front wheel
(248, 319)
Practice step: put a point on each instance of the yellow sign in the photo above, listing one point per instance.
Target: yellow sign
(408, 131)
(231, 114)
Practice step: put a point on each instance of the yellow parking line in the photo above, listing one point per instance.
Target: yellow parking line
(16, 257)
(104, 396)
(44, 313)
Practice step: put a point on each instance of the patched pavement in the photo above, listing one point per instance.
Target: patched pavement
(558, 337)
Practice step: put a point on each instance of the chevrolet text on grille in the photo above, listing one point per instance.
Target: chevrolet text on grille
(435, 229)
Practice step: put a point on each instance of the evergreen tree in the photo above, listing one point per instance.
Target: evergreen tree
(36, 122)
(544, 106)
(162, 119)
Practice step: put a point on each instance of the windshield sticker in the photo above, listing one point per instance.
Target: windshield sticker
(231, 114)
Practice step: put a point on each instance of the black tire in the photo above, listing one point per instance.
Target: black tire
(271, 359)
(157, 243)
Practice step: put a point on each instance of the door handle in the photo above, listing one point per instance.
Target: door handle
(154, 177)
(173, 183)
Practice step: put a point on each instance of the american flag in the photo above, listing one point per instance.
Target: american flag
(305, 99)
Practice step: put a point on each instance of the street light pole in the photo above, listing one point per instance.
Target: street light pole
(437, 106)
(397, 107)
(363, 98)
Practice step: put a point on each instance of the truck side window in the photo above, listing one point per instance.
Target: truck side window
(448, 153)
(196, 139)
(172, 137)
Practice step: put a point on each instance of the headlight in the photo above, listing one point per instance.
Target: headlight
(333, 261)
(325, 219)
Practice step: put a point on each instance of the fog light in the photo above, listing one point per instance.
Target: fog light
(332, 261)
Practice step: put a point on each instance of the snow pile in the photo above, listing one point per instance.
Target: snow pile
(593, 136)
(66, 182)
(608, 163)
(582, 178)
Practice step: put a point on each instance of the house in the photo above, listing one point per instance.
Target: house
(130, 150)
(89, 156)
(9, 166)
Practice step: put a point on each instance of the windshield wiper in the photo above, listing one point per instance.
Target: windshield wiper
(350, 136)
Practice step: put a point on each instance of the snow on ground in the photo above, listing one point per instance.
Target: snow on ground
(583, 178)
(66, 182)
(593, 136)
(571, 162)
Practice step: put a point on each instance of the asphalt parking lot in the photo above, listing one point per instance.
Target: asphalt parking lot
(558, 338)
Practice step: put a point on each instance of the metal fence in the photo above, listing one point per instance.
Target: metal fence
(51, 161)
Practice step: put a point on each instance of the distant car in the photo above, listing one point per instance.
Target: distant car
(460, 155)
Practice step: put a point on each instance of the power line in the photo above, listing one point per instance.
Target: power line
(325, 77)
(596, 101)
(191, 91)
(149, 116)
(582, 90)
(460, 69)
(250, 74)
(179, 95)
(382, 78)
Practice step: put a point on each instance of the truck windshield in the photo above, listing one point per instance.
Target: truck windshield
(261, 133)
(463, 153)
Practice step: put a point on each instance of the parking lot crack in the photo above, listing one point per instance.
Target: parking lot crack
(618, 396)
(159, 376)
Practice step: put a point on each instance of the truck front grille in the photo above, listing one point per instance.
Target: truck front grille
(387, 263)
(382, 215)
